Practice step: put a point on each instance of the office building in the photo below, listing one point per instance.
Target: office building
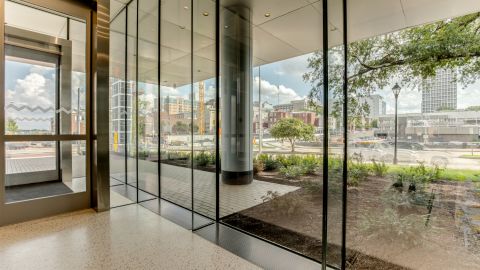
(440, 92)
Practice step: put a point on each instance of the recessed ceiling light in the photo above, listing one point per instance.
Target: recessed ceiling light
(185, 7)
(205, 14)
(267, 15)
(226, 26)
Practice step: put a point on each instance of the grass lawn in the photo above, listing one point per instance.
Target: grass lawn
(470, 156)
(447, 174)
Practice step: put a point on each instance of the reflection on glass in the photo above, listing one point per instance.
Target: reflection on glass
(413, 177)
(271, 95)
(35, 170)
(30, 94)
(131, 96)
(176, 104)
(204, 90)
(147, 110)
(117, 119)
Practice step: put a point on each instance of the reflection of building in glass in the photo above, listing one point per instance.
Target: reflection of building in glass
(446, 126)
(439, 93)
(174, 105)
(294, 106)
(121, 111)
(377, 106)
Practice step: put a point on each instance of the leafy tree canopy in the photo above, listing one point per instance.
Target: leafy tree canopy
(293, 130)
(407, 57)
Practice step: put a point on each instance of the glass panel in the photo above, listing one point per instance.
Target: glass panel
(413, 195)
(31, 90)
(148, 97)
(336, 69)
(117, 99)
(32, 169)
(131, 98)
(176, 104)
(78, 117)
(275, 194)
(204, 111)
(35, 20)
(118, 116)
(79, 170)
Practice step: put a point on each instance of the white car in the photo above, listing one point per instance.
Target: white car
(407, 154)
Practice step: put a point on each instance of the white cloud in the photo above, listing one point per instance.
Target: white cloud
(33, 90)
(469, 96)
(274, 93)
(169, 91)
(296, 66)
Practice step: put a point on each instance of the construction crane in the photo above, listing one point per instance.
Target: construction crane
(201, 108)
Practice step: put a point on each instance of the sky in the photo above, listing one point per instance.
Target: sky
(34, 86)
(280, 82)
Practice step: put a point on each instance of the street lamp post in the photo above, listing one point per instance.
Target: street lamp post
(396, 91)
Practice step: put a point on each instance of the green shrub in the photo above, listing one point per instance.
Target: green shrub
(357, 172)
(417, 177)
(258, 165)
(268, 161)
(335, 164)
(293, 171)
(204, 158)
(379, 168)
(391, 226)
(289, 160)
(311, 163)
(143, 154)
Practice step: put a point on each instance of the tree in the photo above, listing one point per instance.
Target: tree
(473, 108)
(180, 128)
(409, 56)
(12, 126)
(292, 129)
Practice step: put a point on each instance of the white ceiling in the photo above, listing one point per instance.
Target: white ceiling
(294, 28)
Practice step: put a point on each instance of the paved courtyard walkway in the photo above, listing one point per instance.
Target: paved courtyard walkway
(176, 186)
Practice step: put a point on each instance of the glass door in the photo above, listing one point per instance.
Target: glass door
(43, 142)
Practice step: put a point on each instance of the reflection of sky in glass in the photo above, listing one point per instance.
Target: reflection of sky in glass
(30, 85)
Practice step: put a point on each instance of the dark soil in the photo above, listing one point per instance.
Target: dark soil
(309, 246)
(301, 228)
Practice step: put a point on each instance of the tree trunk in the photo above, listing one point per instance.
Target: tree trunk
(292, 143)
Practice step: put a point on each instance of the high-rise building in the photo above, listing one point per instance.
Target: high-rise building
(121, 109)
(440, 92)
(377, 106)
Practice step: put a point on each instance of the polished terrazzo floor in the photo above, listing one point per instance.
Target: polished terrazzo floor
(129, 237)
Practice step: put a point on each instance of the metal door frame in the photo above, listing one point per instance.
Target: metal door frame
(96, 52)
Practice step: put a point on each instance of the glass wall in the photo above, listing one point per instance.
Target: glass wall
(44, 104)
(344, 131)
(413, 136)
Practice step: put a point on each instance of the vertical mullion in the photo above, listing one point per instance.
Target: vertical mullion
(2, 106)
(125, 99)
(192, 99)
(325, 135)
(345, 137)
(217, 110)
(159, 92)
(136, 99)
